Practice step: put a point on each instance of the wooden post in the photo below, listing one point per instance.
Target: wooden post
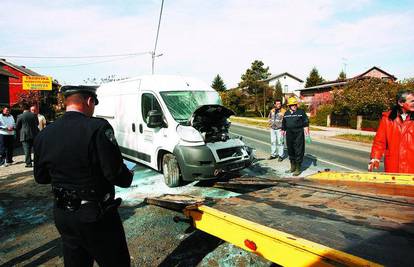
(328, 120)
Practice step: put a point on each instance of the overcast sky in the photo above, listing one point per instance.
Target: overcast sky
(209, 37)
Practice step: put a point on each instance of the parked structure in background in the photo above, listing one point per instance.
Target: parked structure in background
(11, 82)
(324, 90)
(288, 82)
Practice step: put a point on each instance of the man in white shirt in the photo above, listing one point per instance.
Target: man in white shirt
(7, 131)
(40, 117)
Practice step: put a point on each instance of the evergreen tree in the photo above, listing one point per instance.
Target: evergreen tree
(314, 78)
(342, 76)
(252, 81)
(218, 84)
(253, 75)
(278, 94)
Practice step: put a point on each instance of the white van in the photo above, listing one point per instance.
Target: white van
(172, 124)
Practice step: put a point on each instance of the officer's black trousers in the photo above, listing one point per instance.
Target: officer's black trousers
(86, 239)
(295, 141)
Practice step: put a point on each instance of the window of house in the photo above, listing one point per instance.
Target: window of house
(285, 88)
(149, 102)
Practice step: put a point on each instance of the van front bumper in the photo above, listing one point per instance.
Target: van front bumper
(200, 162)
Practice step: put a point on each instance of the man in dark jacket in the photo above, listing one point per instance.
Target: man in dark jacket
(295, 126)
(79, 156)
(27, 125)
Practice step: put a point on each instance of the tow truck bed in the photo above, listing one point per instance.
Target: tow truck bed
(318, 221)
(326, 219)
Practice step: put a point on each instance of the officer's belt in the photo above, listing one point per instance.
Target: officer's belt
(70, 200)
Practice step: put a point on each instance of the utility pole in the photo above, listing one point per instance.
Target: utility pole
(264, 102)
(153, 54)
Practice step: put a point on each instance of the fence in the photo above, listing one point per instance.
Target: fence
(367, 122)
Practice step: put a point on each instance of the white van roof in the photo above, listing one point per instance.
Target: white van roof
(166, 83)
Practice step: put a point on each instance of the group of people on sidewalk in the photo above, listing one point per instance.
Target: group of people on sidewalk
(27, 125)
(292, 124)
(394, 138)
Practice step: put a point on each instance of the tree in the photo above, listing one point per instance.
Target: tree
(253, 75)
(48, 101)
(107, 79)
(233, 99)
(369, 97)
(342, 76)
(218, 84)
(278, 93)
(314, 78)
(252, 82)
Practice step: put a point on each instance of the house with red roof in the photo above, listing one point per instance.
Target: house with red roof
(324, 90)
(11, 82)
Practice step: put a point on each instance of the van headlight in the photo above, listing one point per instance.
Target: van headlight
(189, 134)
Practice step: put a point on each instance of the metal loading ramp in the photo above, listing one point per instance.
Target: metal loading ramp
(317, 221)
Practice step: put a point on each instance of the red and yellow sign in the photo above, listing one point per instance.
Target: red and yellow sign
(37, 83)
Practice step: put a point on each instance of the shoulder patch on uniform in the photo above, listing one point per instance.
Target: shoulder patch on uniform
(109, 133)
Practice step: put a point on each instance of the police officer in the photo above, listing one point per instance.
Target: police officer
(295, 125)
(79, 156)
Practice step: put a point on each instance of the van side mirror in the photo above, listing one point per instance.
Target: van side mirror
(154, 119)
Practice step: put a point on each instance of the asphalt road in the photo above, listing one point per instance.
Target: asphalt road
(339, 156)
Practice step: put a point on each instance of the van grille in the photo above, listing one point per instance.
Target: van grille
(229, 152)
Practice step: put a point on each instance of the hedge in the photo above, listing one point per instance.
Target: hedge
(321, 115)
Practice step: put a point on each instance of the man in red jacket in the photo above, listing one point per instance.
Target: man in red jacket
(395, 137)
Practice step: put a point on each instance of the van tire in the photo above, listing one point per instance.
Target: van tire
(171, 170)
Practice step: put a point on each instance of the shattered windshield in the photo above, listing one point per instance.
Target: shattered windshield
(182, 104)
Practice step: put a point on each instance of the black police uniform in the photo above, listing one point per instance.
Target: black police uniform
(79, 156)
(293, 123)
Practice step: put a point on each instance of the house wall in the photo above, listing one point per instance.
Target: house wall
(376, 74)
(289, 85)
(15, 85)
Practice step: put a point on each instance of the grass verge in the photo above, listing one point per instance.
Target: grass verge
(356, 138)
(260, 122)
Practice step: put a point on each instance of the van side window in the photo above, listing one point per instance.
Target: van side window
(149, 102)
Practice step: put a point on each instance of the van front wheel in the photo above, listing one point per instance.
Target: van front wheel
(171, 170)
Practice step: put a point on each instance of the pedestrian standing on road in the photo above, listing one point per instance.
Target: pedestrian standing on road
(395, 137)
(26, 124)
(40, 117)
(78, 154)
(276, 137)
(7, 126)
(295, 126)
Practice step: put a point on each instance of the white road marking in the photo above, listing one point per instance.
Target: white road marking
(325, 161)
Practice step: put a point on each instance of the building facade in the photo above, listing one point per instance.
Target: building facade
(11, 77)
(289, 83)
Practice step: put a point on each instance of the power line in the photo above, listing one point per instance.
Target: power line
(80, 64)
(77, 57)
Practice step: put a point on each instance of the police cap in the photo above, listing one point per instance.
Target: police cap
(68, 90)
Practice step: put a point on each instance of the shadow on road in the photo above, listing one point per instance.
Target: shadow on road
(184, 256)
(308, 161)
(49, 250)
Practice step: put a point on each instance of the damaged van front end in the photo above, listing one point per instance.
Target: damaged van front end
(207, 149)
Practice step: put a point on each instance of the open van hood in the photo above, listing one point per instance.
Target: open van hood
(211, 121)
(211, 113)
